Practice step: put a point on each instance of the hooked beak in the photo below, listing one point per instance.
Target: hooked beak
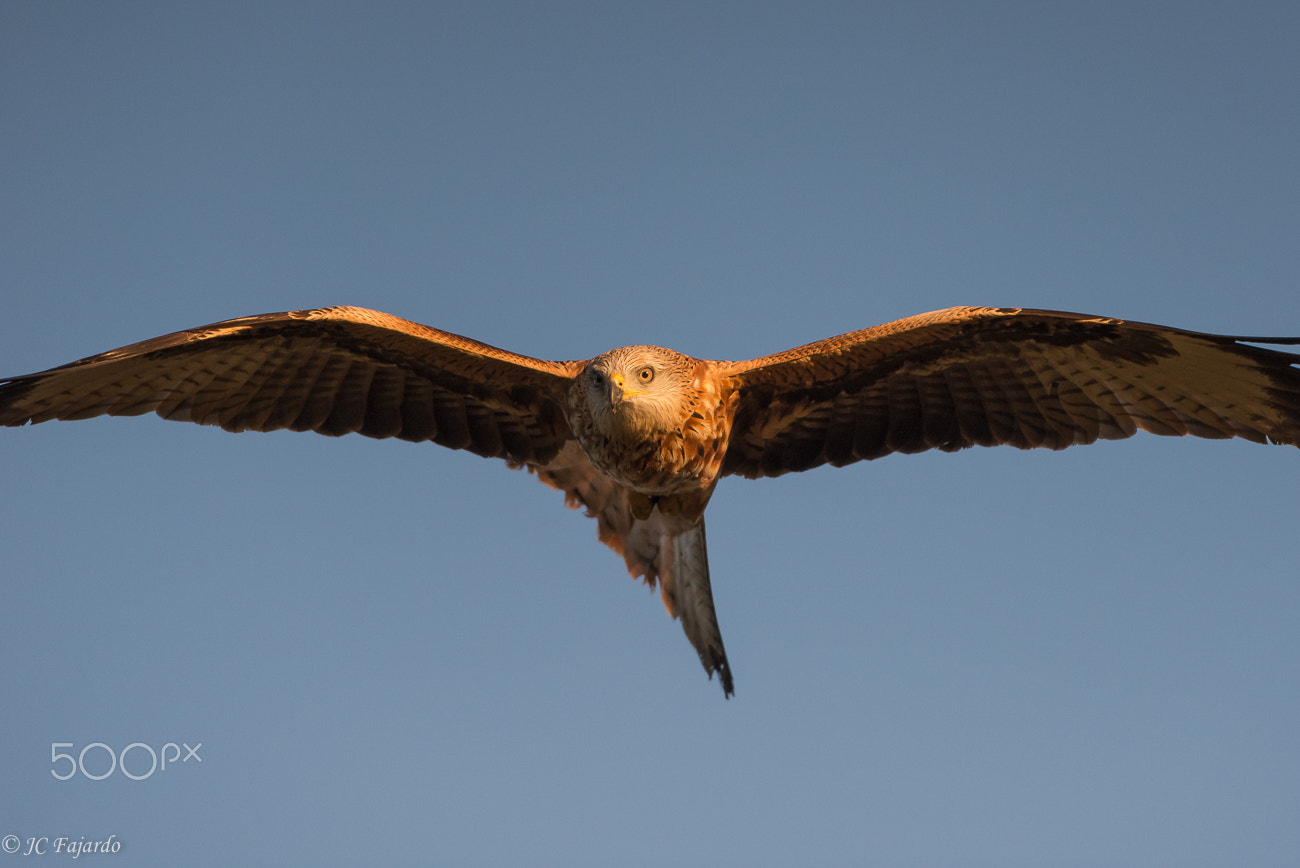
(616, 391)
(619, 392)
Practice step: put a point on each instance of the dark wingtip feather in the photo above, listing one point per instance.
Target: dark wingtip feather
(12, 392)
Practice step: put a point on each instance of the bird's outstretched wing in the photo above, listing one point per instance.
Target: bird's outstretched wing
(987, 376)
(344, 369)
(335, 370)
(669, 550)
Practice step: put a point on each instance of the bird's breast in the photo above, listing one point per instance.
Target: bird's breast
(685, 459)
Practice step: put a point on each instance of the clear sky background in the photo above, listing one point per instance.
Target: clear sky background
(399, 654)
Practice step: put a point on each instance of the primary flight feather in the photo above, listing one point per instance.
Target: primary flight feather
(640, 436)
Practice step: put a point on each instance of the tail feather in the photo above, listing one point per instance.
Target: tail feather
(666, 549)
(683, 567)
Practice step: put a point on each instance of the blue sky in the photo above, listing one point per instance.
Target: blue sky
(399, 654)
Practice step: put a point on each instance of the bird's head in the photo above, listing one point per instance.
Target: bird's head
(639, 391)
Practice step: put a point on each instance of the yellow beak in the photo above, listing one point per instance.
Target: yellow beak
(615, 391)
(618, 391)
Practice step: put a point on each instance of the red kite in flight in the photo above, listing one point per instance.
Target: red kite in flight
(641, 435)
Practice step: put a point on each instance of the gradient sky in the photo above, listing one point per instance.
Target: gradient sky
(398, 654)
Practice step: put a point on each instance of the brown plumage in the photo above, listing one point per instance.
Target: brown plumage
(640, 435)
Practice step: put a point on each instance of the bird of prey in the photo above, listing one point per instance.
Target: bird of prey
(640, 435)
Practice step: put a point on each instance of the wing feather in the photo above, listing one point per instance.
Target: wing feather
(988, 376)
(334, 370)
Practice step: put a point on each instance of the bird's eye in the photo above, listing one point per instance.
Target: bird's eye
(646, 374)
(598, 378)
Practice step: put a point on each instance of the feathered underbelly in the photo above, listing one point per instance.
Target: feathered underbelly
(655, 468)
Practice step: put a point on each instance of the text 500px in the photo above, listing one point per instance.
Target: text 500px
(101, 755)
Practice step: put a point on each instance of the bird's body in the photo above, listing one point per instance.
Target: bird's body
(661, 437)
(641, 435)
